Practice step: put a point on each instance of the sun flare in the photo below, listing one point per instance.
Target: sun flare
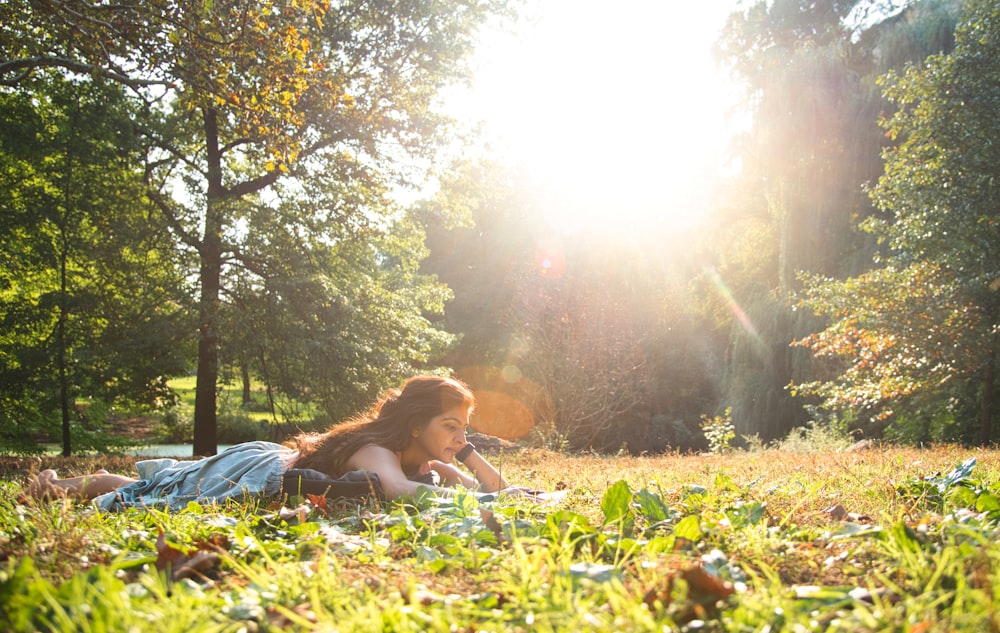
(615, 112)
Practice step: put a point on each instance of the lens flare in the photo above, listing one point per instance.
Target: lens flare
(736, 309)
(550, 262)
(507, 403)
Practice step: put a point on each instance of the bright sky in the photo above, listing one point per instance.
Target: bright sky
(615, 108)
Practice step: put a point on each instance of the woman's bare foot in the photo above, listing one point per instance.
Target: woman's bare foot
(44, 486)
(48, 485)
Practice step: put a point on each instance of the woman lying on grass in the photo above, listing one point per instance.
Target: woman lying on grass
(406, 442)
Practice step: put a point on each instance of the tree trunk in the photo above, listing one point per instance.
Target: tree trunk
(210, 276)
(64, 404)
(67, 449)
(989, 376)
(245, 372)
(205, 431)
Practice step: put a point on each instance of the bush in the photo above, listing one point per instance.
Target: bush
(815, 438)
(176, 426)
(672, 431)
(234, 428)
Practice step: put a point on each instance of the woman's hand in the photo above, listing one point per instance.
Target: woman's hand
(511, 491)
(518, 491)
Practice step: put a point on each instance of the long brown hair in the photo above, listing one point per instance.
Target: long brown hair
(389, 423)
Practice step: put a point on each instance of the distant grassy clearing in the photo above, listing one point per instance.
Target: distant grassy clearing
(231, 400)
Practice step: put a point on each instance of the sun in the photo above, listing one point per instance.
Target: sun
(615, 112)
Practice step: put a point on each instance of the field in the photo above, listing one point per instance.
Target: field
(875, 540)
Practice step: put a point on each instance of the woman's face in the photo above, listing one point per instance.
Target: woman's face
(444, 435)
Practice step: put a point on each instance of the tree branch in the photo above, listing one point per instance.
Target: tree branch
(25, 65)
(172, 221)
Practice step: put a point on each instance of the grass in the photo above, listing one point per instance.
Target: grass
(877, 540)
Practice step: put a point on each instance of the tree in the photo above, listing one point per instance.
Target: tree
(337, 322)
(809, 71)
(915, 341)
(252, 93)
(88, 290)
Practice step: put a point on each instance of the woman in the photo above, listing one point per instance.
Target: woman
(407, 441)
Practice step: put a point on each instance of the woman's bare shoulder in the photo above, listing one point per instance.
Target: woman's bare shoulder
(371, 455)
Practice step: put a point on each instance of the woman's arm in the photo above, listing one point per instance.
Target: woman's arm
(395, 483)
(392, 479)
(484, 476)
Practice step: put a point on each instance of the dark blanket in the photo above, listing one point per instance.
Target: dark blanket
(357, 484)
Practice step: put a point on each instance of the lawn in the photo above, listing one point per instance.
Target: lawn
(876, 540)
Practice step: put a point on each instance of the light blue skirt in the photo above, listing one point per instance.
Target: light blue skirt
(241, 472)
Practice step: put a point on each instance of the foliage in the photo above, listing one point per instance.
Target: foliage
(176, 425)
(329, 329)
(914, 342)
(808, 72)
(273, 137)
(89, 294)
(710, 543)
(578, 329)
(814, 438)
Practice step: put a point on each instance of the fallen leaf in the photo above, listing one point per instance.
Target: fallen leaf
(705, 587)
(704, 591)
(319, 502)
(491, 522)
(840, 513)
(837, 512)
(195, 566)
(180, 564)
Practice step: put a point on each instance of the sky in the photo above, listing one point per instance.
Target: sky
(615, 109)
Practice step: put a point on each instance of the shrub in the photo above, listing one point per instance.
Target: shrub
(176, 426)
(674, 432)
(815, 438)
(719, 431)
(234, 428)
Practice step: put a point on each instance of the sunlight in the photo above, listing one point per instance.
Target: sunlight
(616, 112)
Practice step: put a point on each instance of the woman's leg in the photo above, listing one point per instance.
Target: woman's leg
(47, 484)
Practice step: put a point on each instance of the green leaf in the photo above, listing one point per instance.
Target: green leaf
(746, 514)
(13, 582)
(689, 528)
(651, 506)
(617, 501)
(962, 497)
(570, 523)
(987, 502)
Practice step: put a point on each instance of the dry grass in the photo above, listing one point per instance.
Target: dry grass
(793, 484)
